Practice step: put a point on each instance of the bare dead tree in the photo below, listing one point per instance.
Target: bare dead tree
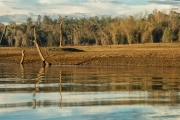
(61, 36)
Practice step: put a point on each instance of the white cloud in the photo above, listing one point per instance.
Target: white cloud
(54, 1)
(143, 8)
(4, 9)
(108, 7)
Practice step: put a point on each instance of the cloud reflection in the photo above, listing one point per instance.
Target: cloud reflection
(98, 112)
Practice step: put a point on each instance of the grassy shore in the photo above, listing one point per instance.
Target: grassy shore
(163, 54)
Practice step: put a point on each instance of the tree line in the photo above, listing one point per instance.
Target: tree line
(157, 27)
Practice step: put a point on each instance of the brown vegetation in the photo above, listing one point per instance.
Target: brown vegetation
(120, 55)
(157, 27)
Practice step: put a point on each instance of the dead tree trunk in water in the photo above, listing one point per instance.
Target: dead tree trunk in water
(4, 32)
(22, 59)
(45, 63)
(61, 37)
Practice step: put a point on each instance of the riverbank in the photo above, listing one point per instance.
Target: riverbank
(119, 55)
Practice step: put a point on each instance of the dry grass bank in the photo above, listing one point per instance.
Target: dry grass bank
(118, 55)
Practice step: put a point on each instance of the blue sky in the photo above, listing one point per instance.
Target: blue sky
(100, 7)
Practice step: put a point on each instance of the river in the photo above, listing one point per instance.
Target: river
(33, 92)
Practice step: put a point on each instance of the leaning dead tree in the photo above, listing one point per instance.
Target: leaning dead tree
(4, 32)
(45, 63)
(61, 36)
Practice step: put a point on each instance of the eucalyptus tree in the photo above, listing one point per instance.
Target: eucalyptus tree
(171, 32)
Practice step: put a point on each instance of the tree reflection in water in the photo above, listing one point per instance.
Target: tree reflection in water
(90, 86)
(60, 87)
(38, 79)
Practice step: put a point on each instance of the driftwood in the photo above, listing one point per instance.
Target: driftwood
(4, 32)
(45, 63)
(61, 37)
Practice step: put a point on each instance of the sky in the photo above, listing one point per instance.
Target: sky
(94, 7)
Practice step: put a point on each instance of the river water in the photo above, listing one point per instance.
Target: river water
(89, 93)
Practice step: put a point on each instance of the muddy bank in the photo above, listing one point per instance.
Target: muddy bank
(103, 56)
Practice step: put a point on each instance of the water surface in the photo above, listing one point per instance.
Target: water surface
(89, 93)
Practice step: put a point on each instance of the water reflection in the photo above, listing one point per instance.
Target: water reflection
(72, 86)
(38, 79)
(60, 87)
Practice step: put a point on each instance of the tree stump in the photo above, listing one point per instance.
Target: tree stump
(22, 59)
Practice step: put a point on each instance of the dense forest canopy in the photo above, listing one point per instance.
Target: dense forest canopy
(149, 28)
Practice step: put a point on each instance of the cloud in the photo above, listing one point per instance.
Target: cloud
(16, 8)
(7, 1)
(107, 7)
(165, 2)
(127, 2)
(102, 1)
(89, 7)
